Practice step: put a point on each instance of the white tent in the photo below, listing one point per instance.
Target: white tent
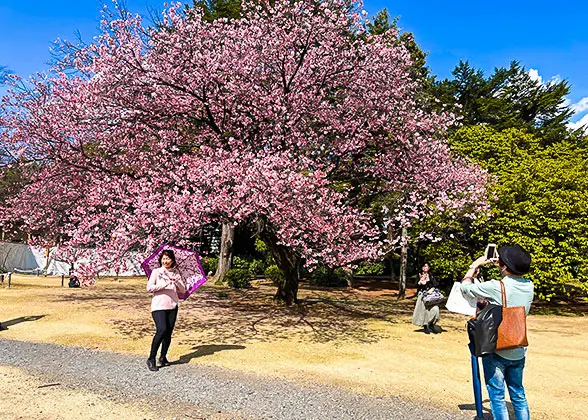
(17, 257)
(24, 258)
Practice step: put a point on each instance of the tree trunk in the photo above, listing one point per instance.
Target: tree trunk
(349, 276)
(226, 252)
(289, 263)
(47, 261)
(403, 258)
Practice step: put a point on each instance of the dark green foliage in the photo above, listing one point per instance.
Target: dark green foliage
(381, 23)
(375, 269)
(260, 246)
(240, 263)
(209, 264)
(274, 274)
(217, 9)
(329, 277)
(238, 278)
(515, 127)
(539, 199)
(509, 98)
(252, 265)
(256, 267)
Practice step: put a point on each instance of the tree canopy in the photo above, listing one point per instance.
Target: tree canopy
(508, 98)
(160, 131)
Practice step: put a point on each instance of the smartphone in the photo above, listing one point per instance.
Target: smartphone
(491, 253)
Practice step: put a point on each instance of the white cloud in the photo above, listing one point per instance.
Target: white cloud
(580, 106)
(534, 75)
(582, 122)
(555, 79)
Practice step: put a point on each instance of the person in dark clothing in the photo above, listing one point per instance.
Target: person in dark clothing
(74, 281)
(425, 316)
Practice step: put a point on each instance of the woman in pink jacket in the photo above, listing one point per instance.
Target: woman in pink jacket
(164, 283)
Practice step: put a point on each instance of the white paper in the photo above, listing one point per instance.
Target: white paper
(456, 302)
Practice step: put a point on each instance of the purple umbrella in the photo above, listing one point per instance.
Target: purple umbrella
(187, 263)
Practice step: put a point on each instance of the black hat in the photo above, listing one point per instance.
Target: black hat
(516, 259)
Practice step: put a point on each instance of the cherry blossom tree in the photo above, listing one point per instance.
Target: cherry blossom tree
(285, 119)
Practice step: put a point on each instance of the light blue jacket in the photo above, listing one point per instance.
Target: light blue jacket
(519, 292)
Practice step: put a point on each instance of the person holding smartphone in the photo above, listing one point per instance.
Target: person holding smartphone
(422, 315)
(504, 367)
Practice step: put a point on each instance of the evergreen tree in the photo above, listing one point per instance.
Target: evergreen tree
(382, 23)
(509, 98)
(217, 9)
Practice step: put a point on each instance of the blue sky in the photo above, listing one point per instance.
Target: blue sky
(550, 38)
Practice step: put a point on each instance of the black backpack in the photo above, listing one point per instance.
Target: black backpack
(483, 329)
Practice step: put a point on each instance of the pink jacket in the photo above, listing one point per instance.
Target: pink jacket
(165, 285)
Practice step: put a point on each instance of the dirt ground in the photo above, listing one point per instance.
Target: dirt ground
(359, 339)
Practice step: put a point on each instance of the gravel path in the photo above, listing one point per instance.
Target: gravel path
(213, 392)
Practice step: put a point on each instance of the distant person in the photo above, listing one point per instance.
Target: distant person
(74, 281)
(164, 283)
(424, 316)
(505, 366)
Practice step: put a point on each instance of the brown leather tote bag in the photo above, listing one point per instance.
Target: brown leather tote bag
(512, 331)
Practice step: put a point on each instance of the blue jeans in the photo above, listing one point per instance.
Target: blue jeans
(497, 371)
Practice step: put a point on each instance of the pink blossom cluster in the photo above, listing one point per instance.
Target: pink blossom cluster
(161, 131)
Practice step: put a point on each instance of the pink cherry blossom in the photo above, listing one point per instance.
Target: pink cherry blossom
(288, 116)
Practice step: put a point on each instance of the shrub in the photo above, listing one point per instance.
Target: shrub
(240, 263)
(256, 267)
(238, 278)
(260, 246)
(209, 264)
(330, 277)
(376, 269)
(274, 273)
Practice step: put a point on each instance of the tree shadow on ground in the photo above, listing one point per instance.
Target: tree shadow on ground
(229, 316)
(130, 296)
(321, 316)
(6, 324)
(205, 350)
(571, 307)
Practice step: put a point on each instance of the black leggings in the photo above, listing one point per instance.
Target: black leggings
(165, 321)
